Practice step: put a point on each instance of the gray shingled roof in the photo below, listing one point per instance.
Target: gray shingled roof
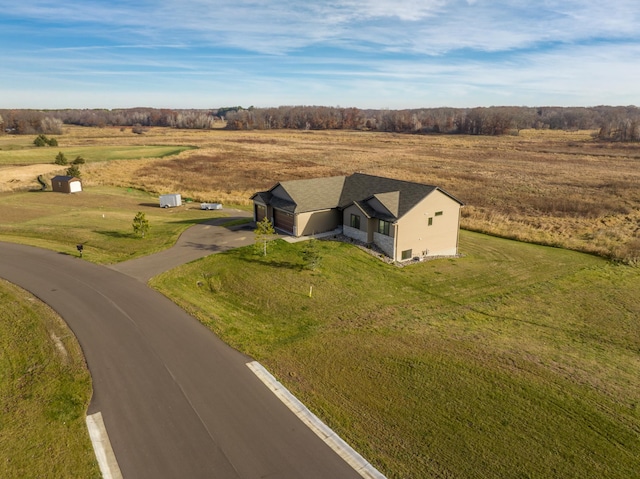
(314, 194)
(263, 196)
(339, 191)
(360, 186)
(64, 178)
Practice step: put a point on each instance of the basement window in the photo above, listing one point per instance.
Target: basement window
(406, 254)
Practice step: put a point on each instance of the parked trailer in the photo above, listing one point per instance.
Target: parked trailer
(210, 206)
(170, 201)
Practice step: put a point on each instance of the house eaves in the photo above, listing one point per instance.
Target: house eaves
(263, 197)
(282, 204)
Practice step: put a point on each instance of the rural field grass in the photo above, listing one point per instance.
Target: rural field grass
(45, 389)
(549, 187)
(515, 360)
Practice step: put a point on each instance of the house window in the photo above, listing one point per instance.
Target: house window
(355, 221)
(383, 227)
(438, 213)
(406, 254)
(430, 221)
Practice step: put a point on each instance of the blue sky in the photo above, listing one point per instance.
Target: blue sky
(362, 53)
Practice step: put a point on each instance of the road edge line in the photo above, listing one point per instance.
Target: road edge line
(102, 447)
(335, 442)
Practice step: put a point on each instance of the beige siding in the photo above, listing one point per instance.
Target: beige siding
(364, 233)
(439, 239)
(317, 222)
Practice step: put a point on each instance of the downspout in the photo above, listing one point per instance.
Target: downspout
(458, 231)
(395, 241)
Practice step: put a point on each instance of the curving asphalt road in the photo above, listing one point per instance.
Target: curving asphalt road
(177, 402)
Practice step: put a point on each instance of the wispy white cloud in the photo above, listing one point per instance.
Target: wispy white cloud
(432, 26)
(366, 53)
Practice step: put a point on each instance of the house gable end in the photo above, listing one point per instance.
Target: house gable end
(360, 186)
(387, 203)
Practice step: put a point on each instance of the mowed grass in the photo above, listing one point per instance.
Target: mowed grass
(514, 360)
(34, 155)
(45, 389)
(99, 218)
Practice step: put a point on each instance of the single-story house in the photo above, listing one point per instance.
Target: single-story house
(404, 219)
(66, 184)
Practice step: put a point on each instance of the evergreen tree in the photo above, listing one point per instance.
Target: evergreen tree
(140, 224)
(311, 254)
(73, 170)
(61, 159)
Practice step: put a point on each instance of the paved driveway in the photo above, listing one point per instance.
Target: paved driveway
(196, 242)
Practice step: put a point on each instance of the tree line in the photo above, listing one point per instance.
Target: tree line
(612, 123)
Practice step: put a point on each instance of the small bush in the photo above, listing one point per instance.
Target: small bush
(61, 159)
(42, 140)
(73, 170)
(79, 161)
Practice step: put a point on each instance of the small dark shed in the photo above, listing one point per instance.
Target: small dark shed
(66, 184)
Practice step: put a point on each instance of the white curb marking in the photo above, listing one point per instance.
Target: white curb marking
(102, 447)
(334, 441)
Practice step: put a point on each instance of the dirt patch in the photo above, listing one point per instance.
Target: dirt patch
(19, 178)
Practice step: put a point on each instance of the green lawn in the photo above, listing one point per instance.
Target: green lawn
(99, 218)
(14, 155)
(515, 360)
(45, 389)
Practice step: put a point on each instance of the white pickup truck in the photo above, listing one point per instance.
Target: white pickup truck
(210, 206)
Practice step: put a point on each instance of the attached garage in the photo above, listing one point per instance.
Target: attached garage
(260, 212)
(283, 220)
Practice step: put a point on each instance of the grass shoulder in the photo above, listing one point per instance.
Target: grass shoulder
(516, 360)
(45, 390)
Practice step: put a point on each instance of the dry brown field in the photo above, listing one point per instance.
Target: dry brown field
(549, 187)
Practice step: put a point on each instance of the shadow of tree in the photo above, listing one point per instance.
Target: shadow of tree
(205, 247)
(267, 261)
(233, 223)
(116, 234)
